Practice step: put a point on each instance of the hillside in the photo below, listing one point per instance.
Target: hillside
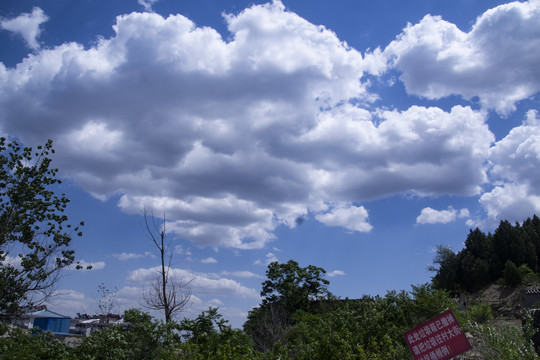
(507, 309)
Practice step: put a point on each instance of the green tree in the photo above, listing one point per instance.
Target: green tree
(19, 343)
(141, 338)
(35, 235)
(446, 274)
(512, 276)
(294, 286)
(209, 336)
(287, 289)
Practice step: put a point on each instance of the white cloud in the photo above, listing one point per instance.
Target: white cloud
(513, 202)
(147, 4)
(129, 256)
(351, 217)
(496, 61)
(270, 258)
(70, 302)
(209, 260)
(515, 161)
(235, 138)
(27, 25)
(425, 151)
(336, 273)
(14, 261)
(432, 216)
(201, 284)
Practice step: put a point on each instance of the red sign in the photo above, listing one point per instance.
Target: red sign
(440, 338)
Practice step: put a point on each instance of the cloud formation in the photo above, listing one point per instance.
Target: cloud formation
(354, 218)
(432, 216)
(496, 60)
(201, 284)
(26, 25)
(233, 138)
(516, 160)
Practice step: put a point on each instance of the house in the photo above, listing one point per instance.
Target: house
(85, 324)
(46, 320)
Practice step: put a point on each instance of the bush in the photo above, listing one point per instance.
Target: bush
(22, 344)
(528, 276)
(480, 313)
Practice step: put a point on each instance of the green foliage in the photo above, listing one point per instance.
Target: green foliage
(369, 328)
(527, 274)
(480, 313)
(293, 286)
(209, 336)
(484, 257)
(446, 276)
(512, 276)
(289, 288)
(21, 344)
(34, 233)
(143, 339)
(503, 343)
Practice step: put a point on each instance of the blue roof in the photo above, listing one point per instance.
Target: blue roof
(48, 314)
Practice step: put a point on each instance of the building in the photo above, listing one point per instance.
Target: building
(46, 320)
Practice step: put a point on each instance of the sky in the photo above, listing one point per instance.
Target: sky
(353, 135)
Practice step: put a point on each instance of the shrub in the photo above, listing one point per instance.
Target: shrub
(480, 313)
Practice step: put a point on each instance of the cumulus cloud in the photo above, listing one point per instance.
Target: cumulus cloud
(209, 260)
(201, 284)
(233, 138)
(515, 162)
(27, 25)
(351, 217)
(496, 60)
(432, 216)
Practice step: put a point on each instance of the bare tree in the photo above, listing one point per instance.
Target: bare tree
(166, 293)
(106, 300)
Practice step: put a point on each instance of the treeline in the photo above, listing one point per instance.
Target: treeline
(510, 253)
(370, 328)
(298, 319)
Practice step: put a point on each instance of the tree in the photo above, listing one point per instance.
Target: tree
(512, 276)
(165, 294)
(35, 235)
(294, 286)
(288, 289)
(106, 299)
(446, 276)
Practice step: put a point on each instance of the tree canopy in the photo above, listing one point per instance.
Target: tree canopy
(35, 235)
(486, 257)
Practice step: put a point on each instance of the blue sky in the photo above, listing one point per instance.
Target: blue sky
(352, 135)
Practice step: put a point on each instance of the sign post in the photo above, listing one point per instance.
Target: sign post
(440, 338)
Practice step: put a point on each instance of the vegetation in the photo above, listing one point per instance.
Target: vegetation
(34, 234)
(487, 258)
